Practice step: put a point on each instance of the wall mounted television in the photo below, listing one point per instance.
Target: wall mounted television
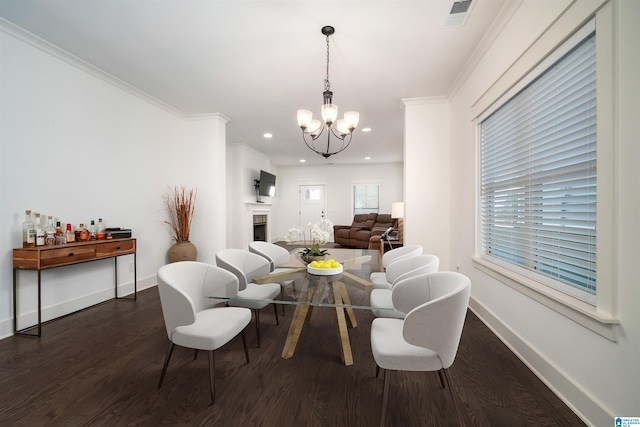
(267, 184)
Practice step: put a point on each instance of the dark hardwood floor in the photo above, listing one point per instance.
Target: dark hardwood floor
(100, 367)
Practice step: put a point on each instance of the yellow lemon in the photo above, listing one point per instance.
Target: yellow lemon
(314, 264)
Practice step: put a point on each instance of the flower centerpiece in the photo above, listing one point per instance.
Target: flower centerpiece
(180, 203)
(319, 234)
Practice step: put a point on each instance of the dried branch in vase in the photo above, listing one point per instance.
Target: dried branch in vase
(180, 204)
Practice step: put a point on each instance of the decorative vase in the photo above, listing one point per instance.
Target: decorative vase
(307, 259)
(183, 251)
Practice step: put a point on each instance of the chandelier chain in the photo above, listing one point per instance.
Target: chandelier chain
(327, 84)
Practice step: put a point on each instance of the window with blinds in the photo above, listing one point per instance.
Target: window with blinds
(538, 176)
(366, 198)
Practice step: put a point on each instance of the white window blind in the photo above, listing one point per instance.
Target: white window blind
(538, 176)
(365, 198)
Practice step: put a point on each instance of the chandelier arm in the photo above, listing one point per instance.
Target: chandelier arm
(313, 138)
(311, 144)
(337, 134)
(342, 148)
(339, 137)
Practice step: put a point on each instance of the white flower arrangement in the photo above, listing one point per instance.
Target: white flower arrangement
(319, 234)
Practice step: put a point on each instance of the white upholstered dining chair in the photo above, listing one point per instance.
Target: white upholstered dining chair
(393, 255)
(397, 271)
(277, 256)
(427, 339)
(245, 266)
(405, 267)
(191, 319)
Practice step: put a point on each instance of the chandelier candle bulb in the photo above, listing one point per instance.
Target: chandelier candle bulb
(351, 118)
(329, 113)
(342, 127)
(304, 118)
(314, 127)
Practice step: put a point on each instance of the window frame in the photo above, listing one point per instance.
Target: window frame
(600, 318)
(353, 201)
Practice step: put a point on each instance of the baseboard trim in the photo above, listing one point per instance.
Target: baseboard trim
(585, 406)
(71, 306)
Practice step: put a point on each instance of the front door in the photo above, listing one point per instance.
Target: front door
(311, 204)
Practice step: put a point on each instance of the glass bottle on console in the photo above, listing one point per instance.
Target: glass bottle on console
(84, 234)
(61, 239)
(28, 231)
(101, 230)
(49, 232)
(39, 231)
(71, 237)
(93, 235)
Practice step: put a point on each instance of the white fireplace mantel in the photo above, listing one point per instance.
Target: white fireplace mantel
(252, 209)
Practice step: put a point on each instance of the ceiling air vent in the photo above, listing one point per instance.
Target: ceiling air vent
(460, 11)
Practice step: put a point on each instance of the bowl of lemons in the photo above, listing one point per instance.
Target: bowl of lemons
(324, 268)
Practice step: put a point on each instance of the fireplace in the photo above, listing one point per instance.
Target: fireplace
(259, 228)
(257, 223)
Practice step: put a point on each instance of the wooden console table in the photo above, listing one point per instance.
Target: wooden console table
(46, 257)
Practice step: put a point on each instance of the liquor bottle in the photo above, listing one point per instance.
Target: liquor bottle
(61, 239)
(39, 231)
(84, 233)
(101, 230)
(28, 231)
(71, 237)
(50, 232)
(93, 235)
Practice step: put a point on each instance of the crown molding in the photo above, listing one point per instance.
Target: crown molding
(405, 102)
(208, 116)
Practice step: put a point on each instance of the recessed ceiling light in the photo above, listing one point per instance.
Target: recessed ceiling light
(302, 160)
(267, 135)
(367, 158)
(366, 129)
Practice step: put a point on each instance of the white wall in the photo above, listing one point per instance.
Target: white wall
(426, 179)
(76, 144)
(598, 378)
(337, 180)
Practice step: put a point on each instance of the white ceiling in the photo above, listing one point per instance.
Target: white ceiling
(258, 62)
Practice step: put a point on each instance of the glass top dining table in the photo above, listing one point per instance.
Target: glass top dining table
(341, 292)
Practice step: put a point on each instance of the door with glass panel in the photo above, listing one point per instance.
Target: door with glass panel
(312, 204)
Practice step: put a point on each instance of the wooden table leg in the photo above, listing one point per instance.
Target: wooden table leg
(347, 301)
(341, 324)
(300, 317)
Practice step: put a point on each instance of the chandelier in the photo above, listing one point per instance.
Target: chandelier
(341, 130)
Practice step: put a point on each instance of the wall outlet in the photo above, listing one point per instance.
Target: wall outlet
(130, 267)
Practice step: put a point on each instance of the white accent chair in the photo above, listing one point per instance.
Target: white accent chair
(245, 266)
(393, 255)
(191, 319)
(277, 256)
(427, 339)
(402, 269)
